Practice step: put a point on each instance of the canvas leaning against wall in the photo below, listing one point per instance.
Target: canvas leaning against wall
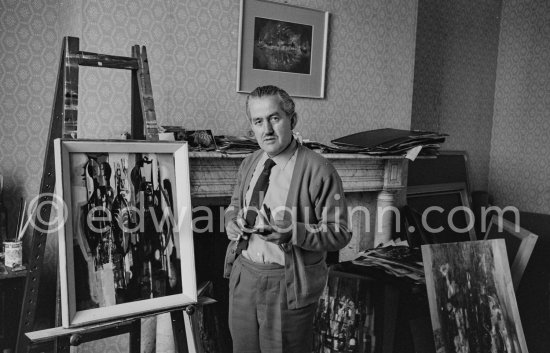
(344, 320)
(472, 302)
(126, 243)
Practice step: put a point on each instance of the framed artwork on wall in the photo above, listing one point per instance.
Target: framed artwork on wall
(282, 45)
(126, 238)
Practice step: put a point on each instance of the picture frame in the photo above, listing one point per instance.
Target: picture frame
(449, 198)
(450, 166)
(519, 244)
(471, 297)
(282, 45)
(125, 236)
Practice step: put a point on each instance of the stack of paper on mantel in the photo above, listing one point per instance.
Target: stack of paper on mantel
(236, 144)
(386, 142)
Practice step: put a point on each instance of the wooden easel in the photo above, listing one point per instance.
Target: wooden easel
(64, 124)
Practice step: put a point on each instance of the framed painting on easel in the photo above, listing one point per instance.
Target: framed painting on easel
(125, 235)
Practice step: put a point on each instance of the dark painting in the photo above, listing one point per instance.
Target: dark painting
(439, 220)
(344, 321)
(124, 251)
(282, 46)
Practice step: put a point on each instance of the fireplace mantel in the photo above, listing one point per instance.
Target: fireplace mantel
(213, 174)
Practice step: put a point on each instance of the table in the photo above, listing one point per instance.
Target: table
(12, 285)
(401, 311)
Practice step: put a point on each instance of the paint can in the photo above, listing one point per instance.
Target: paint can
(13, 253)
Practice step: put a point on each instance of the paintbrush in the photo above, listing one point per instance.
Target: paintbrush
(19, 215)
(21, 219)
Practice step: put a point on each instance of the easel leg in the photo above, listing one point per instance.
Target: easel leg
(135, 337)
(62, 344)
(192, 348)
(180, 336)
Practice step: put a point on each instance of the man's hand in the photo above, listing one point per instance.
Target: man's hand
(234, 229)
(277, 232)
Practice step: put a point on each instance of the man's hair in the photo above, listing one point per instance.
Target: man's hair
(287, 103)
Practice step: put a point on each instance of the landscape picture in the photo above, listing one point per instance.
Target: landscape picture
(282, 46)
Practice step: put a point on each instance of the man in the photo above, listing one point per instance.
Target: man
(286, 212)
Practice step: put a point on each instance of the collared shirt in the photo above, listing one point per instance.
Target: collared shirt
(260, 250)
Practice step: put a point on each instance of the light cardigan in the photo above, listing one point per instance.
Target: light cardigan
(319, 218)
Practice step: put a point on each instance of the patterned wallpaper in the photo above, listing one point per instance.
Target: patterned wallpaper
(455, 69)
(520, 162)
(29, 54)
(192, 49)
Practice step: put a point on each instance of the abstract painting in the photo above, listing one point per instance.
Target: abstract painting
(472, 302)
(282, 46)
(125, 242)
(344, 321)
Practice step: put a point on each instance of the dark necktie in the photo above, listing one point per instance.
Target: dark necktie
(255, 201)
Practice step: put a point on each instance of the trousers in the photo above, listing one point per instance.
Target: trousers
(259, 318)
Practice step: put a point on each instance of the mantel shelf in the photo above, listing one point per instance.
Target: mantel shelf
(213, 175)
(204, 154)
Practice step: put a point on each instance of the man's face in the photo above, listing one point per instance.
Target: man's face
(271, 126)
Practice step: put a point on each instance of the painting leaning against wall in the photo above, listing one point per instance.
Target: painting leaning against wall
(472, 302)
